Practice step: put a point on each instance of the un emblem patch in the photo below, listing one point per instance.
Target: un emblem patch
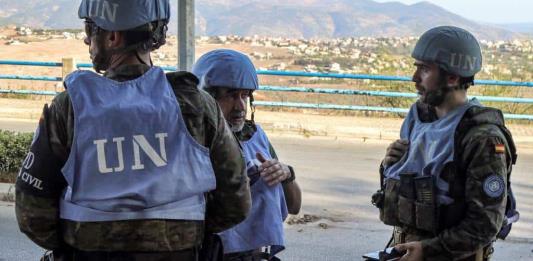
(494, 186)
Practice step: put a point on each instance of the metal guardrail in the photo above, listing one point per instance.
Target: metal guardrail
(329, 106)
(361, 108)
(381, 77)
(298, 89)
(30, 63)
(30, 78)
(325, 91)
(274, 73)
(383, 93)
(29, 92)
(350, 76)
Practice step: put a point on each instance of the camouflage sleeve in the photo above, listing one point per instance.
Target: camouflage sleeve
(272, 151)
(39, 185)
(230, 202)
(486, 158)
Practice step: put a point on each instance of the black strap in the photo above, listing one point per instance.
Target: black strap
(390, 241)
(264, 256)
(212, 249)
(48, 256)
(251, 256)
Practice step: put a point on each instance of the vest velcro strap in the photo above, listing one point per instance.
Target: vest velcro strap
(398, 236)
(253, 256)
(485, 253)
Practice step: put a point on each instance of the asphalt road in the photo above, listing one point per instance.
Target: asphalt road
(337, 178)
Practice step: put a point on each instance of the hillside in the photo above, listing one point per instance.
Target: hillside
(289, 18)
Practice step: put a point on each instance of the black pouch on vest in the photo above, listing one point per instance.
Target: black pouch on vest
(406, 200)
(425, 205)
(389, 213)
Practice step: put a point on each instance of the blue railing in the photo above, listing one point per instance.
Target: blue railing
(30, 78)
(30, 63)
(299, 89)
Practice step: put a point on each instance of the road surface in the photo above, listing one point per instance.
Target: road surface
(337, 178)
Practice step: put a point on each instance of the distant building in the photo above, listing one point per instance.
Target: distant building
(311, 68)
(278, 67)
(335, 67)
(258, 55)
(284, 44)
(23, 31)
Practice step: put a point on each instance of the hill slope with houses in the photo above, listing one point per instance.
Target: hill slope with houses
(288, 18)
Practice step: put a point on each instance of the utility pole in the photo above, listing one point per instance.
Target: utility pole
(186, 41)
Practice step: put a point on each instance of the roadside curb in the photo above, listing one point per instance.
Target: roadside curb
(7, 192)
(519, 240)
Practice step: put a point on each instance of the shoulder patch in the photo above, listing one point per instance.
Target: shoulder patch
(499, 149)
(494, 186)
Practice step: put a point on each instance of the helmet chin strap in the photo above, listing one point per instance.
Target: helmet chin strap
(252, 107)
(141, 60)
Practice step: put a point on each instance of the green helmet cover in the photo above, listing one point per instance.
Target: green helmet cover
(454, 49)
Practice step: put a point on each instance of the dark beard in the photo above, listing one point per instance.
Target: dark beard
(101, 60)
(436, 98)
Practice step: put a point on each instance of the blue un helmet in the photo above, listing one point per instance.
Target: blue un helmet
(150, 16)
(454, 49)
(226, 68)
(122, 15)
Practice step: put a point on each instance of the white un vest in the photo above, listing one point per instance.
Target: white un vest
(264, 225)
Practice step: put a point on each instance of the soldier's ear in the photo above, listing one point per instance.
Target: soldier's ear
(115, 39)
(453, 80)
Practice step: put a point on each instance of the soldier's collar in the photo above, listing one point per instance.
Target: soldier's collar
(248, 130)
(126, 72)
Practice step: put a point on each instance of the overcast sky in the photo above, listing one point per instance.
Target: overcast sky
(490, 11)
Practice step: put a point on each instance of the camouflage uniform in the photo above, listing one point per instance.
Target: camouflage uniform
(37, 207)
(472, 222)
(248, 130)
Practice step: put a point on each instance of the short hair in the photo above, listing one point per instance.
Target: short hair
(144, 38)
(464, 82)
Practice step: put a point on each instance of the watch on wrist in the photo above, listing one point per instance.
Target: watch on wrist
(292, 177)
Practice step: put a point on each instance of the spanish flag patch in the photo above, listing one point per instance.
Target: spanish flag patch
(499, 148)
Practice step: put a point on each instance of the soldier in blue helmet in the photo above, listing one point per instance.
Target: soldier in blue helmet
(135, 164)
(445, 183)
(231, 78)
